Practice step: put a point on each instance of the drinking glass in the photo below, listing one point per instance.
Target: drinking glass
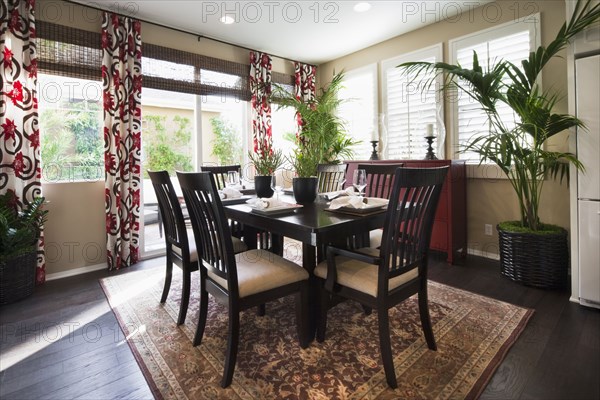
(233, 179)
(277, 185)
(359, 180)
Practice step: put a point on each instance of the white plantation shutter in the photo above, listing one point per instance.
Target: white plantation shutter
(511, 42)
(409, 106)
(359, 111)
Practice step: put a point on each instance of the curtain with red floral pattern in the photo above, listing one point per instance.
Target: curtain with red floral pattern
(305, 86)
(20, 170)
(122, 89)
(260, 87)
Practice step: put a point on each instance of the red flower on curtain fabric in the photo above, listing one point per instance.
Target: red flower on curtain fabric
(20, 168)
(260, 88)
(304, 87)
(122, 88)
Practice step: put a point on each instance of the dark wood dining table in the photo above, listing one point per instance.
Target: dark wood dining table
(312, 225)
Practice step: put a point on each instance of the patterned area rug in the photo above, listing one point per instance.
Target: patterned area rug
(473, 334)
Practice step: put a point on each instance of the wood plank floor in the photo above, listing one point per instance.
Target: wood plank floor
(64, 341)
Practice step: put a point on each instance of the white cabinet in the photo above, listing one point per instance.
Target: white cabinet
(589, 254)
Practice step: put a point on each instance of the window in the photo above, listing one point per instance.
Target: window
(511, 42)
(70, 120)
(409, 106)
(359, 110)
(284, 127)
(70, 103)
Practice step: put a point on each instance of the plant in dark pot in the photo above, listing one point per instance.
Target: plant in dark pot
(322, 138)
(531, 252)
(19, 233)
(265, 160)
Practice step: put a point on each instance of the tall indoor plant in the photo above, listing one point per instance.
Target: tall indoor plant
(322, 138)
(19, 232)
(531, 252)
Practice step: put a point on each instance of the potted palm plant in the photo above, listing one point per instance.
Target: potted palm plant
(322, 138)
(531, 252)
(19, 233)
(265, 160)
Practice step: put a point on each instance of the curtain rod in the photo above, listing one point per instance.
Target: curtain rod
(198, 35)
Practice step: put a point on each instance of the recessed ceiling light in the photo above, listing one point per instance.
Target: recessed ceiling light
(362, 6)
(227, 20)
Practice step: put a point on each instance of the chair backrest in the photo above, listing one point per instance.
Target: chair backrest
(211, 230)
(220, 172)
(380, 179)
(331, 177)
(409, 221)
(170, 210)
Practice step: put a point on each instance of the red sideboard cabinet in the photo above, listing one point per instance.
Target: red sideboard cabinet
(450, 227)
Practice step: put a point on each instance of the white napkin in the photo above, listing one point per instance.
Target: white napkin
(230, 193)
(357, 202)
(346, 192)
(263, 203)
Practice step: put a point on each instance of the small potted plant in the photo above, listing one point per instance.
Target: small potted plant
(19, 233)
(265, 160)
(322, 139)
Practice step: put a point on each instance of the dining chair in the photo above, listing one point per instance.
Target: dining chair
(381, 279)
(179, 241)
(241, 281)
(380, 180)
(220, 172)
(331, 177)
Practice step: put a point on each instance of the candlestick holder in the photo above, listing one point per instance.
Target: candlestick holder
(430, 155)
(374, 155)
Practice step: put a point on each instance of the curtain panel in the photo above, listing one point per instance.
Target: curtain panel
(304, 87)
(260, 87)
(122, 86)
(20, 169)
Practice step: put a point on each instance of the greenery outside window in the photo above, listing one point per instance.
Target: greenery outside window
(70, 111)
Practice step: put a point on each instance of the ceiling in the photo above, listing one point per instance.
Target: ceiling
(309, 31)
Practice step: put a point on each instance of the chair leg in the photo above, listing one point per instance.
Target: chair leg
(232, 346)
(386, 347)
(202, 314)
(168, 278)
(322, 308)
(185, 296)
(302, 315)
(425, 320)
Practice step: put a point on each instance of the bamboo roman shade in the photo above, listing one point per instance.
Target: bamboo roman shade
(67, 51)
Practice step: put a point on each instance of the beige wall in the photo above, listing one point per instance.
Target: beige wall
(489, 201)
(74, 233)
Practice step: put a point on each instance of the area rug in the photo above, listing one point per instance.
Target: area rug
(473, 334)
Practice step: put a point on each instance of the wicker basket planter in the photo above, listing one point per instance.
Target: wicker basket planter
(17, 277)
(535, 260)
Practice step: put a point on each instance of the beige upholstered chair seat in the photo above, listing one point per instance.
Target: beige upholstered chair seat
(238, 246)
(360, 275)
(260, 270)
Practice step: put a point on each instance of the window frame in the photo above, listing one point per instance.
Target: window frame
(482, 36)
(437, 51)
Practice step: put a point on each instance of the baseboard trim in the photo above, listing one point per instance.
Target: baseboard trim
(484, 254)
(76, 271)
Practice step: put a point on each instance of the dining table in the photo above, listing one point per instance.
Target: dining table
(314, 225)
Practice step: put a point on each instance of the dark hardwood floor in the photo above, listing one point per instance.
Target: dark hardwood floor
(64, 341)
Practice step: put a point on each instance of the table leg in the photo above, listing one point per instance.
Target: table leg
(309, 264)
